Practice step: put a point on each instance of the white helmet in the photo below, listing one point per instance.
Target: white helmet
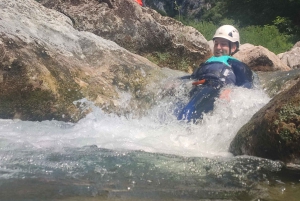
(228, 32)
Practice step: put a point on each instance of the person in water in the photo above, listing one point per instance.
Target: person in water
(217, 72)
(222, 67)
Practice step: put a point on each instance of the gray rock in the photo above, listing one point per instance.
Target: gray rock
(46, 65)
(141, 30)
(274, 131)
(259, 58)
(292, 57)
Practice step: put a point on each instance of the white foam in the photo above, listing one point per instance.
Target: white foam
(159, 131)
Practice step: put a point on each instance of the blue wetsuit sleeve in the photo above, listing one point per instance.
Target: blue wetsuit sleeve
(244, 75)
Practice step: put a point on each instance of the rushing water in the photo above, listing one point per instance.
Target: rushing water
(156, 157)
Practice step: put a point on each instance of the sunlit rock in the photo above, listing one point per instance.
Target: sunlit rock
(292, 57)
(141, 30)
(259, 58)
(46, 65)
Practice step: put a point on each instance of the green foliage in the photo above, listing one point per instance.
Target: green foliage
(267, 36)
(288, 115)
(257, 15)
(207, 29)
(258, 12)
(288, 112)
(183, 65)
(177, 8)
(285, 135)
(159, 57)
(281, 13)
(166, 59)
(285, 25)
(163, 13)
(163, 56)
(215, 14)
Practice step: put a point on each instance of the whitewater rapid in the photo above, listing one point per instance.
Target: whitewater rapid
(158, 131)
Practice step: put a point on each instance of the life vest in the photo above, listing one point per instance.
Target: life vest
(215, 69)
(140, 2)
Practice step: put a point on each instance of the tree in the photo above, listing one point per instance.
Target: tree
(262, 12)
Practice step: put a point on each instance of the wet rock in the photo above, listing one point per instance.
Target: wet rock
(274, 131)
(46, 65)
(278, 81)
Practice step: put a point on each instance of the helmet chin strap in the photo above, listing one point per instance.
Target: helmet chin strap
(229, 48)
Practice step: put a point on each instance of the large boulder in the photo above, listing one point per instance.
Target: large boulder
(292, 57)
(274, 75)
(259, 58)
(141, 30)
(274, 131)
(46, 65)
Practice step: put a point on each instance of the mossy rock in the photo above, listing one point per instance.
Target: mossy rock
(274, 131)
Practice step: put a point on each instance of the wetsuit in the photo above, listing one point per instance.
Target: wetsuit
(226, 70)
(215, 73)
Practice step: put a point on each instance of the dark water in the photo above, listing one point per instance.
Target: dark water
(91, 173)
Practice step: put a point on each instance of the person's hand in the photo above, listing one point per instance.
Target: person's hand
(225, 94)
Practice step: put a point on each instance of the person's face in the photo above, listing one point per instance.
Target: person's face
(222, 47)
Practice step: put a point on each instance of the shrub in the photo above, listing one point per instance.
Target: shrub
(207, 29)
(267, 36)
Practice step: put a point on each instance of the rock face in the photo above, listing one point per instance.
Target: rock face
(140, 30)
(259, 58)
(278, 81)
(274, 131)
(46, 65)
(292, 57)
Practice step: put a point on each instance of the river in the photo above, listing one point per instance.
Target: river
(155, 157)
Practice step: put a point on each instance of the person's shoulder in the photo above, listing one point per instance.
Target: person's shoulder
(233, 61)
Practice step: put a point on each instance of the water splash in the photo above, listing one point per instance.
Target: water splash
(155, 157)
(159, 131)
